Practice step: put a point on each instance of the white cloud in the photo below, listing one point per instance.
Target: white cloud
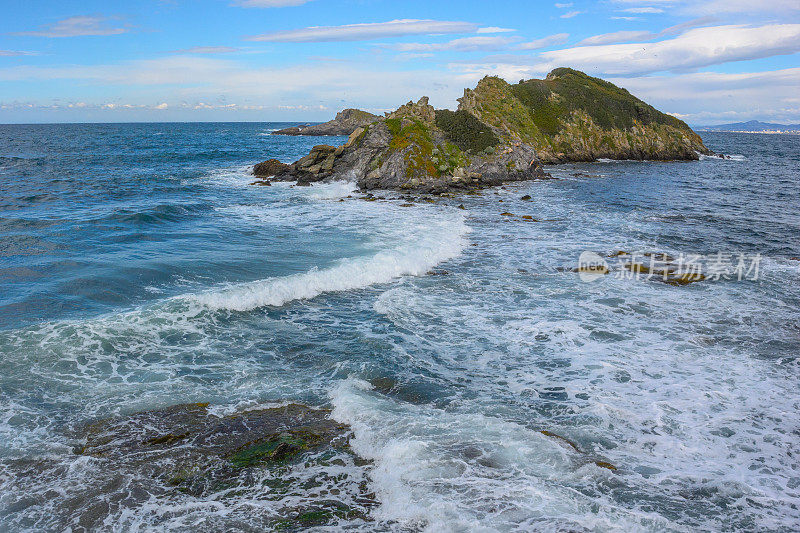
(207, 79)
(77, 26)
(206, 50)
(544, 42)
(689, 24)
(571, 14)
(368, 31)
(641, 35)
(616, 37)
(465, 44)
(270, 3)
(716, 7)
(162, 106)
(494, 29)
(563, 6)
(696, 48)
(710, 97)
(743, 6)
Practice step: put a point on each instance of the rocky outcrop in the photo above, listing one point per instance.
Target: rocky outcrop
(345, 123)
(570, 116)
(269, 168)
(421, 149)
(499, 133)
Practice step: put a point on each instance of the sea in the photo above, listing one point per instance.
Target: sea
(139, 270)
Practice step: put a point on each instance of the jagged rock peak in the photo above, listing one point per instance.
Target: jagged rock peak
(422, 110)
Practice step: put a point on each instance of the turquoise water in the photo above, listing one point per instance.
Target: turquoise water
(138, 270)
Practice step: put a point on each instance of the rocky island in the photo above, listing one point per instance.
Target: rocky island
(345, 123)
(500, 132)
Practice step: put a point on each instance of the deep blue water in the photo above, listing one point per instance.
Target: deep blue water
(139, 269)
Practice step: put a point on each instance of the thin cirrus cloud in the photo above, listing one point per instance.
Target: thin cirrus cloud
(570, 14)
(78, 26)
(270, 3)
(617, 37)
(368, 31)
(544, 42)
(206, 50)
(14, 53)
(465, 44)
(642, 35)
(643, 10)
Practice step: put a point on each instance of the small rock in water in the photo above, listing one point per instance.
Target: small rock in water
(685, 279)
(506, 214)
(526, 197)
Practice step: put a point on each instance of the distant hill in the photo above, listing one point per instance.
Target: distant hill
(753, 125)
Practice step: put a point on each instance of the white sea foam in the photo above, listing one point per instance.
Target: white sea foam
(420, 246)
(442, 471)
(725, 157)
(231, 177)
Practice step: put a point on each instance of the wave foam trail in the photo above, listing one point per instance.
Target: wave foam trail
(422, 246)
(725, 157)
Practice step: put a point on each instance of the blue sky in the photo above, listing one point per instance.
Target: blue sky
(706, 61)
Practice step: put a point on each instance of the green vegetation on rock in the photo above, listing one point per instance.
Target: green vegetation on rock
(570, 115)
(277, 448)
(565, 90)
(493, 102)
(465, 131)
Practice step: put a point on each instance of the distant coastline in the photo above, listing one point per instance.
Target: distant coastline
(765, 132)
(753, 126)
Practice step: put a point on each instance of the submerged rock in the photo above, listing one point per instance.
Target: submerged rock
(345, 123)
(267, 454)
